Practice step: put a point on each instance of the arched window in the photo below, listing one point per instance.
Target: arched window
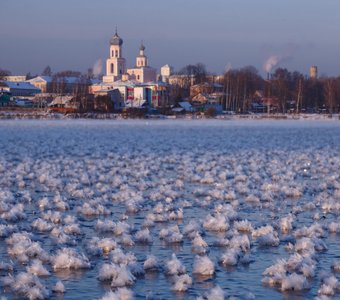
(116, 53)
(112, 54)
(112, 67)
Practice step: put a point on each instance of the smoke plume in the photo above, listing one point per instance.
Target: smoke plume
(272, 62)
(227, 68)
(97, 67)
(275, 60)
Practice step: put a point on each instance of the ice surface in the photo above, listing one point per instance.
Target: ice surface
(198, 209)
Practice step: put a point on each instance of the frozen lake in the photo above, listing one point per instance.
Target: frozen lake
(169, 209)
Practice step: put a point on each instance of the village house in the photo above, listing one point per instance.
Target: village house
(182, 80)
(206, 88)
(58, 84)
(19, 88)
(44, 83)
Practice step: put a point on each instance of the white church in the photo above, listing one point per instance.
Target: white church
(116, 64)
(137, 86)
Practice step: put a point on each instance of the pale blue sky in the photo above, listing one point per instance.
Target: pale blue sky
(74, 34)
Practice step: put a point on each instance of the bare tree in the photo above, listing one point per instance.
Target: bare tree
(47, 71)
(4, 73)
(80, 92)
(281, 79)
(68, 73)
(58, 85)
(313, 95)
(329, 93)
(90, 74)
(337, 95)
(240, 87)
(198, 72)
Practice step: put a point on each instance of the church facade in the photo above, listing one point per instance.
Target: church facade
(116, 65)
(136, 86)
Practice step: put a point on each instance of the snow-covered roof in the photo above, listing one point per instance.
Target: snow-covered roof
(155, 83)
(129, 83)
(71, 80)
(178, 109)
(46, 78)
(135, 103)
(107, 91)
(125, 83)
(208, 84)
(21, 85)
(61, 100)
(49, 79)
(186, 105)
(201, 97)
(95, 81)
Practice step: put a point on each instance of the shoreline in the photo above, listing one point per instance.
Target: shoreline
(34, 115)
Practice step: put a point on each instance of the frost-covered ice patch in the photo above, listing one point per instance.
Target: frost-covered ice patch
(198, 209)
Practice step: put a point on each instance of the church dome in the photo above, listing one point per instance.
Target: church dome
(142, 47)
(116, 40)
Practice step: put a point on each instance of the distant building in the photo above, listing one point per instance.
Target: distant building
(313, 72)
(19, 89)
(182, 80)
(116, 65)
(155, 94)
(15, 78)
(114, 95)
(133, 87)
(142, 72)
(24, 103)
(272, 102)
(44, 83)
(59, 85)
(166, 72)
(206, 88)
(64, 102)
(204, 98)
(215, 78)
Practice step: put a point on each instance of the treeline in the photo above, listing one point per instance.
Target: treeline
(48, 72)
(283, 89)
(287, 90)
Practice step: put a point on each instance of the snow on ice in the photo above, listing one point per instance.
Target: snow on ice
(207, 209)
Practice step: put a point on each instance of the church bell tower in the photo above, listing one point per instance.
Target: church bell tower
(115, 64)
(141, 60)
